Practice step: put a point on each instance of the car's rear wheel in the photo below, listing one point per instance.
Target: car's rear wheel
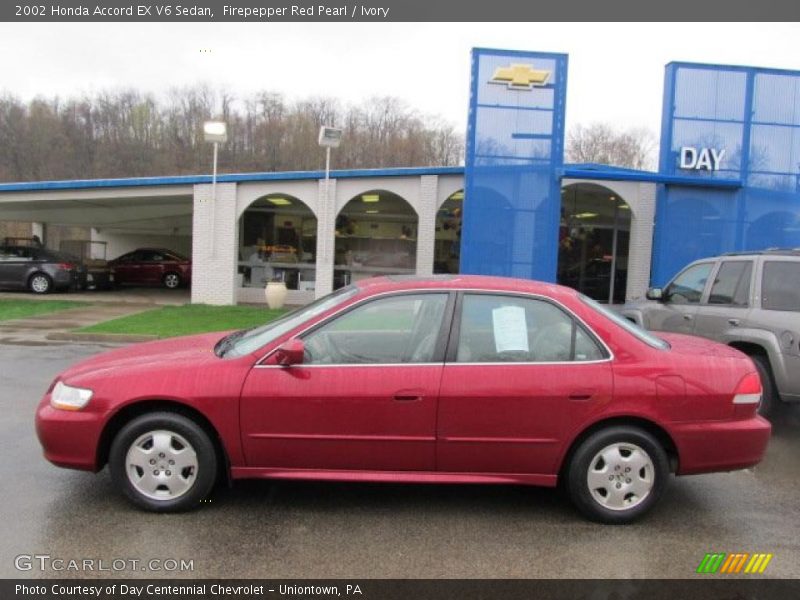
(617, 474)
(768, 394)
(172, 281)
(163, 462)
(40, 283)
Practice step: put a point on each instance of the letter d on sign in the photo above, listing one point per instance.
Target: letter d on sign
(688, 157)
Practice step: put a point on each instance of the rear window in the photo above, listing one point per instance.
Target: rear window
(780, 285)
(631, 327)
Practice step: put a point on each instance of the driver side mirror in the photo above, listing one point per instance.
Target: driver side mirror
(655, 294)
(290, 353)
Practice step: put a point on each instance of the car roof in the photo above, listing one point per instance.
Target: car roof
(391, 283)
(767, 252)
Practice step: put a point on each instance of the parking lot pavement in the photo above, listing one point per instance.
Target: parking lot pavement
(46, 329)
(293, 529)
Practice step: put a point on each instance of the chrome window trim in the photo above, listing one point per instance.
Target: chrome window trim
(533, 295)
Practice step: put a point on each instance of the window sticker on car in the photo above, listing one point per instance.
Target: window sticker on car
(510, 329)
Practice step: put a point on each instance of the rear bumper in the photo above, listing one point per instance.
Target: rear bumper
(721, 445)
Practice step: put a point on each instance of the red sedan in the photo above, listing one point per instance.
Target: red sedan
(452, 379)
(152, 266)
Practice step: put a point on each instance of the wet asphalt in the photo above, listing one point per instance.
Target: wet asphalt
(319, 530)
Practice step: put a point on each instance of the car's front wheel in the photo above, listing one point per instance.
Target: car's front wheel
(769, 397)
(617, 474)
(163, 462)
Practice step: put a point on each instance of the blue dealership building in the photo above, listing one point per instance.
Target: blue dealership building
(728, 179)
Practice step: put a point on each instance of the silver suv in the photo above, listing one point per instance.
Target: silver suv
(748, 300)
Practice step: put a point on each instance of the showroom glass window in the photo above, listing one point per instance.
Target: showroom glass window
(687, 288)
(499, 328)
(392, 330)
(780, 287)
(732, 284)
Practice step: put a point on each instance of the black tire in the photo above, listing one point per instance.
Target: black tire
(201, 479)
(769, 396)
(584, 458)
(171, 281)
(40, 283)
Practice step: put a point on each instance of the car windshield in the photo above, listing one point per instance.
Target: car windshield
(631, 327)
(249, 340)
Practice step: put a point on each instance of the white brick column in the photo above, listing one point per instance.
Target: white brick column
(426, 228)
(214, 245)
(326, 237)
(640, 250)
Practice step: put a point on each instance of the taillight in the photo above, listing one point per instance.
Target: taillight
(65, 266)
(749, 390)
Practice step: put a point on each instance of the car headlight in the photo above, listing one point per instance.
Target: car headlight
(66, 397)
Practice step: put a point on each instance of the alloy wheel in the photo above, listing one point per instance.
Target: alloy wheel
(40, 284)
(161, 465)
(620, 476)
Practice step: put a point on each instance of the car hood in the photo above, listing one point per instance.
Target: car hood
(697, 346)
(174, 352)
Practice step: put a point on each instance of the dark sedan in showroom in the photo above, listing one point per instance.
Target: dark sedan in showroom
(152, 266)
(446, 379)
(39, 270)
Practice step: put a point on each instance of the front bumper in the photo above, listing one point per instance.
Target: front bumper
(69, 438)
(721, 445)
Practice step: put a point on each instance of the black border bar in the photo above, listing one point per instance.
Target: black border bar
(712, 587)
(533, 11)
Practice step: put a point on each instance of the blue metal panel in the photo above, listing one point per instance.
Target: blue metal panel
(515, 154)
(754, 115)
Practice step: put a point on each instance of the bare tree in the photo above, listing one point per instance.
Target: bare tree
(601, 143)
(125, 133)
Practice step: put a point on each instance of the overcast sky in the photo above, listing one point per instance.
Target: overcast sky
(615, 70)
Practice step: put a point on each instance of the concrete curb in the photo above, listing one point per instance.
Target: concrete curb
(121, 338)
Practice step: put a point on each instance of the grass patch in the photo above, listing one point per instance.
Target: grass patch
(170, 321)
(22, 309)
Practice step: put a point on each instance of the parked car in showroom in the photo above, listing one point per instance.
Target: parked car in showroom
(747, 300)
(447, 379)
(39, 270)
(152, 266)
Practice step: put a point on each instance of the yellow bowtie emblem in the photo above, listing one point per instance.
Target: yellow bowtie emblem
(520, 77)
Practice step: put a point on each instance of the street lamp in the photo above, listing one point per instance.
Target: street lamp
(215, 132)
(329, 137)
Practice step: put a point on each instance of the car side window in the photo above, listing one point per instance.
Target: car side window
(146, 255)
(780, 285)
(732, 284)
(687, 288)
(391, 330)
(499, 328)
(129, 258)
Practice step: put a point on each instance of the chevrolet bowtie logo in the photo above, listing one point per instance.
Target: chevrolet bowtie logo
(520, 77)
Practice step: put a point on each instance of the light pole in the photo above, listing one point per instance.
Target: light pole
(215, 132)
(329, 137)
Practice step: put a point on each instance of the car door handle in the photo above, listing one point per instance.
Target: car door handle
(687, 317)
(581, 395)
(734, 322)
(407, 397)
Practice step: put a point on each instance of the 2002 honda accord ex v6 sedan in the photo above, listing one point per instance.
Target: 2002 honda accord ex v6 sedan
(452, 379)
